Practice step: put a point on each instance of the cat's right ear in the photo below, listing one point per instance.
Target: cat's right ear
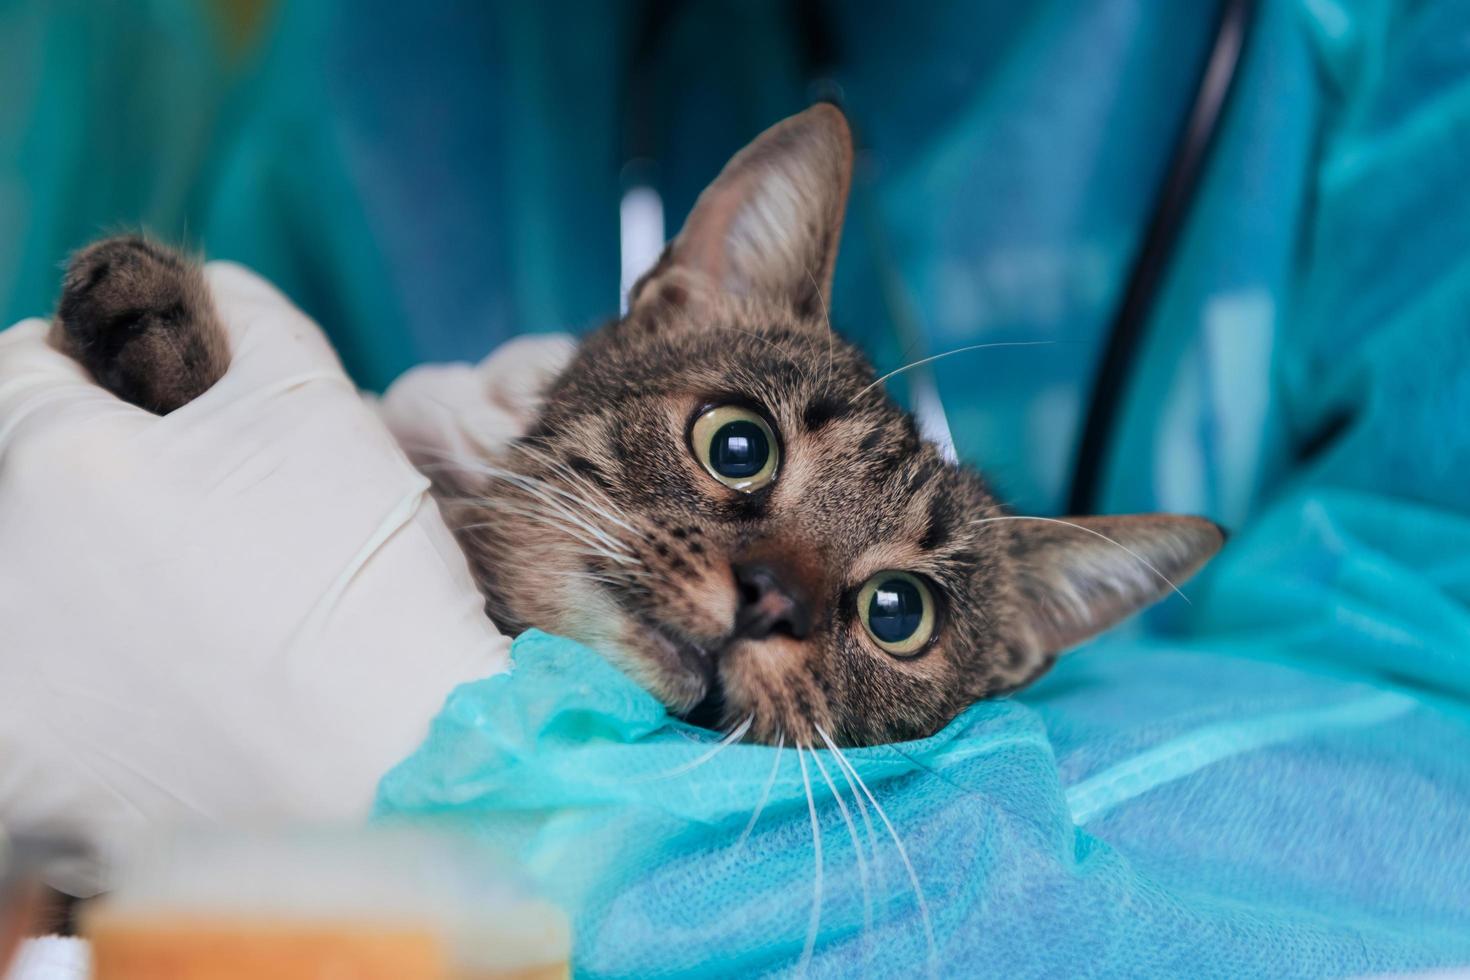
(769, 224)
(1080, 575)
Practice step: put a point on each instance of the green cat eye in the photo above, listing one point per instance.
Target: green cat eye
(897, 611)
(736, 446)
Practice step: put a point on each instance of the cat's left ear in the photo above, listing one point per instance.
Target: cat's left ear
(769, 224)
(1080, 575)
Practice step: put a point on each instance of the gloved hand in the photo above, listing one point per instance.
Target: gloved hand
(245, 611)
(441, 413)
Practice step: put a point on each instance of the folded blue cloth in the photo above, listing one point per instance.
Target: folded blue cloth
(1152, 810)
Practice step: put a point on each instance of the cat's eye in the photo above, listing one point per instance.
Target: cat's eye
(736, 446)
(897, 611)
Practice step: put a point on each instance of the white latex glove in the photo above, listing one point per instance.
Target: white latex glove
(245, 611)
(446, 412)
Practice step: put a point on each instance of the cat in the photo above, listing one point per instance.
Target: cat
(717, 493)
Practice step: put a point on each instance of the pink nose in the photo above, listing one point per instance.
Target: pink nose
(770, 603)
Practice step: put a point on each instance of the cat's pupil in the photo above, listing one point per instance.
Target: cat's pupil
(895, 610)
(739, 449)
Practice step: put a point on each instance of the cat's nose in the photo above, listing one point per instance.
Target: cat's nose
(770, 602)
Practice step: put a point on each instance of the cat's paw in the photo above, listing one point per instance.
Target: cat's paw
(139, 317)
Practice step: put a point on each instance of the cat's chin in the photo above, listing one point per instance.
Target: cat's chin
(678, 670)
(710, 711)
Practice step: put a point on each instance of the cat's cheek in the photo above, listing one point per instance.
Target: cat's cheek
(658, 666)
(710, 598)
(579, 610)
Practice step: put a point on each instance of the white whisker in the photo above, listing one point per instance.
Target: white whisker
(531, 510)
(631, 566)
(949, 353)
(897, 843)
(540, 489)
(815, 924)
(734, 736)
(563, 517)
(1117, 544)
(765, 794)
(857, 850)
(582, 481)
(551, 519)
(852, 788)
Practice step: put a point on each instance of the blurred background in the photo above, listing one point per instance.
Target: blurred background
(429, 179)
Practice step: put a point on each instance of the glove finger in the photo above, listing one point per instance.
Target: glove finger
(447, 413)
(517, 374)
(273, 345)
(440, 413)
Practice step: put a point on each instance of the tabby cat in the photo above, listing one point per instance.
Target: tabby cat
(717, 491)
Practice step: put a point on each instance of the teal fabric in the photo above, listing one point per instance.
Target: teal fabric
(1152, 809)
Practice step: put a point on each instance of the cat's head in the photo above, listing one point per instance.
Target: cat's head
(718, 495)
